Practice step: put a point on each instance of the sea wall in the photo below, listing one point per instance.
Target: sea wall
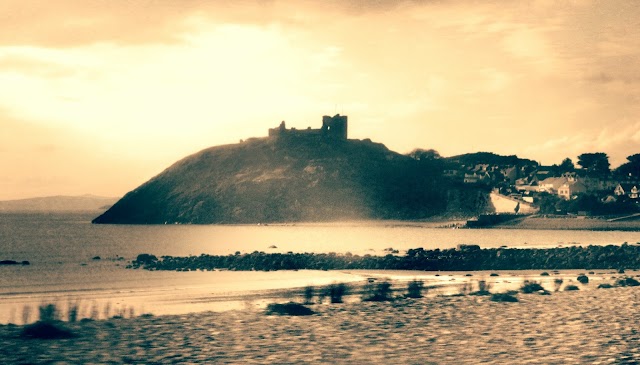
(505, 204)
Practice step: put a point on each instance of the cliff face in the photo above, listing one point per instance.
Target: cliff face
(285, 180)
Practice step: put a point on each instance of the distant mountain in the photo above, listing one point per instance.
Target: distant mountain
(295, 179)
(58, 204)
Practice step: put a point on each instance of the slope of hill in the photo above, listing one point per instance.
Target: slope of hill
(58, 204)
(293, 179)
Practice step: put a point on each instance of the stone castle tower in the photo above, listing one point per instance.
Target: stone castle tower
(335, 127)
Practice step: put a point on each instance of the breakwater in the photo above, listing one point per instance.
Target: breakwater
(464, 258)
(489, 220)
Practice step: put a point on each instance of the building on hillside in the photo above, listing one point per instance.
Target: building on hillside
(629, 190)
(510, 174)
(527, 186)
(551, 184)
(451, 173)
(544, 172)
(598, 184)
(481, 167)
(571, 188)
(335, 127)
(477, 178)
(570, 176)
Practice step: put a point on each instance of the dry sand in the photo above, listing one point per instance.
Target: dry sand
(582, 327)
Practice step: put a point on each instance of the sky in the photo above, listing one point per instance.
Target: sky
(99, 96)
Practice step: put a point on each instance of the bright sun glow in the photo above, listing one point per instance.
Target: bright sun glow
(99, 88)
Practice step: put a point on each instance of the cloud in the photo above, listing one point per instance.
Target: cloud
(16, 63)
(603, 77)
(372, 6)
(619, 140)
(600, 78)
(70, 23)
(530, 45)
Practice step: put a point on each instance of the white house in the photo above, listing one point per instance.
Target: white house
(571, 188)
(551, 184)
(630, 190)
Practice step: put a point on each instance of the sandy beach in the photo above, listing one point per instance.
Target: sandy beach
(596, 326)
(540, 222)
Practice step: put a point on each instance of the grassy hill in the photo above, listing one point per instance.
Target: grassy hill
(293, 179)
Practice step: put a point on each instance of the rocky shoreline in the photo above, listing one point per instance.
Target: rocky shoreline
(577, 327)
(464, 258)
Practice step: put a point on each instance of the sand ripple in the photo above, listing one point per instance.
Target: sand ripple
(589, 327)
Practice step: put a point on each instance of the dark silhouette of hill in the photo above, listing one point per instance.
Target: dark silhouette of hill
(489, 158)
(294, 179)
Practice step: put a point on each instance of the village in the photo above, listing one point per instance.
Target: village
(591, 188)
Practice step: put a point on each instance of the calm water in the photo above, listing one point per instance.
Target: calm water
(42, 238)
(60, 248)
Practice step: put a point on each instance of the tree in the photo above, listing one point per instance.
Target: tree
(429, 161)
(421, 154)
(630, 168)
(595, 164)
(566, 166)
(547, 203)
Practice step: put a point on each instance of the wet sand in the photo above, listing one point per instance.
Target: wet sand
(571, 223)
(597, 326)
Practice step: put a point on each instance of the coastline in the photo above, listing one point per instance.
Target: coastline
(578, 327)
(526, 222)
(576, 223)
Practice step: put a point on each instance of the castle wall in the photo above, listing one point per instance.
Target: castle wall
(332, 127)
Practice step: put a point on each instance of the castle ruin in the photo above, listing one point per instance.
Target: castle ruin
(332, 127)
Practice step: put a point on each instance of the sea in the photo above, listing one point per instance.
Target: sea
(76, 264)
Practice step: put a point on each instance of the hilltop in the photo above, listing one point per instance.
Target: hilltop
(489, 158)
(295, 176)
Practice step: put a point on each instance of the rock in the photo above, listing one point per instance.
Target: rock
(583, 279)
(289, 309)
(145, 258)
(46, 330)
